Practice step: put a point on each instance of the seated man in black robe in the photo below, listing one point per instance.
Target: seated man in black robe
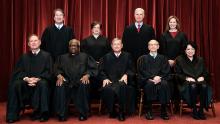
(153, 70)
(116, 73)
(73, 71)
(29, 83)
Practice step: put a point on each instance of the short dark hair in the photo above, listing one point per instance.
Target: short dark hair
(96, 23)
(58, 9)
(191, 43)
(74, 40)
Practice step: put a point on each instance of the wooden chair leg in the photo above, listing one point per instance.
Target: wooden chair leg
(181, 107)
(100, 106)
(140, 104)
(213, 108)
(171, 107)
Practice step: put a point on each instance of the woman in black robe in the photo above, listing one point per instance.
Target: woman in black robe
(193, 80)
(172, 42)
(95, 45)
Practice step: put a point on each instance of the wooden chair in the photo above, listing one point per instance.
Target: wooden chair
(141, 104)
(184, 105)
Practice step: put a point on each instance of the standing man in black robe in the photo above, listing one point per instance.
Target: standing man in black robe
(73, 71)
(116, 73)
(29, 83)
(153, 73)
(55, 38)
(137, 35)
(96, 45)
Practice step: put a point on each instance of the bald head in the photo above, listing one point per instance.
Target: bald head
(153, 45)
(139, 10)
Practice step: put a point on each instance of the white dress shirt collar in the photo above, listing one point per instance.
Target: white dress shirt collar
(59, 26)
(35, 52)
(136, 24)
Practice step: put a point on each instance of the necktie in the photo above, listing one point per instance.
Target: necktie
(139, 27)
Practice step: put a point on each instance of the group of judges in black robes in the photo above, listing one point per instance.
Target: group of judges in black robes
(91, 64)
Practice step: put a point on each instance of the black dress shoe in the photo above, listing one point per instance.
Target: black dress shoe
(164, 116)
(35, 115)
(195, 116)
(149, 116)
(62, 118)
(82, 118)
(112, 115)
(121, 117)
(44, 117)
(202, 116)
(10, 121)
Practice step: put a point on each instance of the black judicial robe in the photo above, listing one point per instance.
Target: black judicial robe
(96, 48)
(195, 69)
(113, 68)
(149, 67)
(136, 43)
(20, 93)
(56, 41)
(170, 46)
(73, 67)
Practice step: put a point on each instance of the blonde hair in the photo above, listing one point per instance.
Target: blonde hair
(139, 9)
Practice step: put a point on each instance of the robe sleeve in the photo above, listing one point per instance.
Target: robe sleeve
(179, 72)
(162, 43)
(184, 42)
(130, 69)
(48, 69)
(45, 38)
(125, 38)
(152, 33)
(91, 67)
(165, 71)
(205, 72)
(19, 70)
(72, 35)
(83, 46)
(58, 69)
(143, 74)
(102, 74)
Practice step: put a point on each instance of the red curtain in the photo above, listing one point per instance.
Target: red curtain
(199, 18)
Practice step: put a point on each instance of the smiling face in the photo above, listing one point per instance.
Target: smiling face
(153, 45)
(173, 23)
(190, 51)
(34, 42)
(58, 16)
(139, 15)
(96, 30)
(74, 46)
(116, 45)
